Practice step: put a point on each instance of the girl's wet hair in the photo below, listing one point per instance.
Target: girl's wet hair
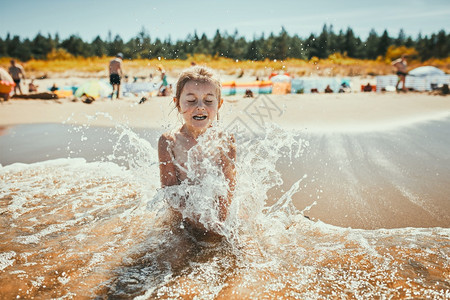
(197, 74)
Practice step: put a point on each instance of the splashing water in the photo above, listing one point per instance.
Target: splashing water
(72, 228)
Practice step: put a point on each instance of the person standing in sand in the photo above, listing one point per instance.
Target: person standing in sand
(198, 100)
(115, 73)
(400, 65)
(17, 73)
(163, 88)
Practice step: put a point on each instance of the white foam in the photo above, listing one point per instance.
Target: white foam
(7, 259)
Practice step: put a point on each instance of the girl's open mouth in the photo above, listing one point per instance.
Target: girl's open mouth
(199, 118)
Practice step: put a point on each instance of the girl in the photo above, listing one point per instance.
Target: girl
(189, 154)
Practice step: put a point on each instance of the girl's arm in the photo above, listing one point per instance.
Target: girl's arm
(228, 160)
(167, 169)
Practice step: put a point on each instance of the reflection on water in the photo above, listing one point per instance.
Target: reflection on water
(72, 228)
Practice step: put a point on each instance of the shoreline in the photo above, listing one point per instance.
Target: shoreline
(373, 180)
(323, 112)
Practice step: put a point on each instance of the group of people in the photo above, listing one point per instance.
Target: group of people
(18, 74)
(116, 74)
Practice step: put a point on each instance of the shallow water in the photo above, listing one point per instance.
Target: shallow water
(98, 226)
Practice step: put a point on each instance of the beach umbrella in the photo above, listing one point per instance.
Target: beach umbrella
(281, 78)
(6, 82)
(426, 71)
(95, 89)
(4, 76)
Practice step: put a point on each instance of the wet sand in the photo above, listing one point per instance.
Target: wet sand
(373, 160)
(316, 112)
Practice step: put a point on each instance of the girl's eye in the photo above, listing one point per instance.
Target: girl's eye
(191, 100)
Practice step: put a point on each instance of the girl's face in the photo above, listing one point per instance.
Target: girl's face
(199, 104)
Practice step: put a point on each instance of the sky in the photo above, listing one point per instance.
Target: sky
(176, 19)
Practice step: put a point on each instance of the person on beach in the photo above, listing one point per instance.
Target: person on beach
(17, 73)
(198, 100)
(32, 87)
(54, 88)
(115, 73)
(163, 88)
(400, 65)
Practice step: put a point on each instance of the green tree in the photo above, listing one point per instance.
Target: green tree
(180, 50)
(269, 47)
(3, 51)
(441, 49)
(12, 44)
(41, 46)
(240, 48)
(350, 43)
(371, 45)
(194, 42)
(156, 49)
(261, 51)
(252, 51)
(340, 42)
(57, 40)
(116, 46)
(230, 44)
(131, 48)
(401, 39)
(75, 46)
(19, 49)
(144, 45)
(281, 45)
(168, 48)
(332, 41)
(383, 44)
(312, 47)
(99, 47)
(203, 45)
(217, 44)
(296, 49)
(323, 43)
(410, 42)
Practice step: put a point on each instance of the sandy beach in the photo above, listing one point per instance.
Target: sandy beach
(329, 112)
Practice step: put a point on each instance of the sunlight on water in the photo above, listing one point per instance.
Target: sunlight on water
(72, 228)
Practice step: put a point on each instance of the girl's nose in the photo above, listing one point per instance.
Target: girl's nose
(200, 105)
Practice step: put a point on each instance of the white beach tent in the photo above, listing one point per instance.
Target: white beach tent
(420, 79)
(426, 71)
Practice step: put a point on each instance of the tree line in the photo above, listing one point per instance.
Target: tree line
(274, 46)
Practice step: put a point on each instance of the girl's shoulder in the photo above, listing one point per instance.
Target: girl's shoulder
(166, 140)
(167, 136)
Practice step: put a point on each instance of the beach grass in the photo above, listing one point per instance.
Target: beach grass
(334, 65)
